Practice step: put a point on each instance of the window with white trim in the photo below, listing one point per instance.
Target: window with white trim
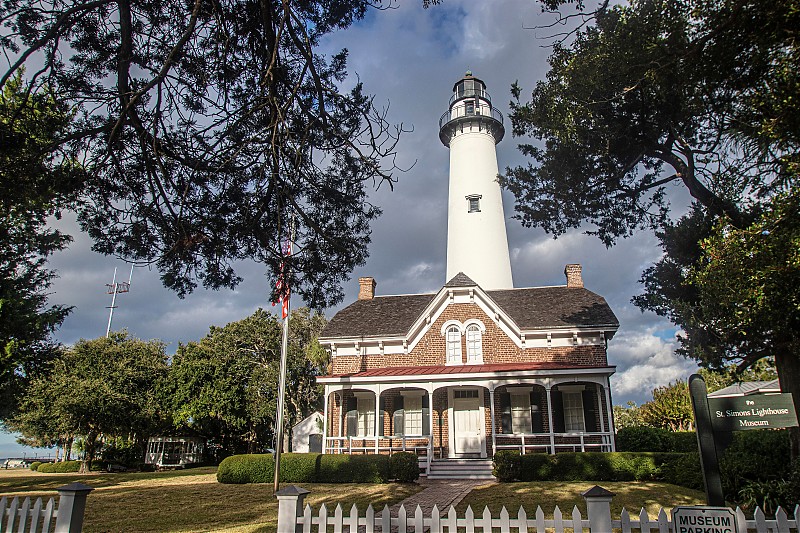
(573, 412)
(453, 336)
(412, 405)
(521, 412)
(474, 344)
(366, 417)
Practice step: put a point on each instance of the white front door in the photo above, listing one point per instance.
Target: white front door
(467, 433)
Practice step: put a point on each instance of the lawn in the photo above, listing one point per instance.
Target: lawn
(189, 500)
(633, 495)
(192, 500)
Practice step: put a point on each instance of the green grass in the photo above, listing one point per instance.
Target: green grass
(633, 495)
(189, 500)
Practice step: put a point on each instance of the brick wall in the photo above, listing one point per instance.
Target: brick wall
(497, 348)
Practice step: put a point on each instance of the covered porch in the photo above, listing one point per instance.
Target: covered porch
(469, 412)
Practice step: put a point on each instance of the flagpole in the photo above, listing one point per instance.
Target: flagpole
(281, 395)
(284, 356)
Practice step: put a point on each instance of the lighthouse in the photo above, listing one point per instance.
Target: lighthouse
(477, 244)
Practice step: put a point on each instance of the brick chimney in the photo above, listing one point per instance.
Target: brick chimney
(366, 288)
(574, 278)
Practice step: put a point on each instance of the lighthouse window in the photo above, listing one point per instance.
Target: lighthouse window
(474, 203)
(469, 108)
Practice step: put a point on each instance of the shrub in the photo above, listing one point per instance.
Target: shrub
(298, 467)
(305, 468)
(60, 467)
(761, 455)
(35, 465)
(684, 471)
(353, 469)
(507, 465)
(683, 442)
(643, 439)
(404, 467)
(248, 468)
(587, 466)
(121, 452)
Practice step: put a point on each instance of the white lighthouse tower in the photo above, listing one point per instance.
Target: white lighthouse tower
(476, 228)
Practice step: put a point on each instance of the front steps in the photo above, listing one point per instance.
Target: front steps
(461, 469)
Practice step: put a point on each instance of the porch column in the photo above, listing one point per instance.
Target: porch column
(430, 427)
(491, 418)
(341, 415)
(599, 405)
(550, 419)
(610, 411)
(325, 421)
(378, 415)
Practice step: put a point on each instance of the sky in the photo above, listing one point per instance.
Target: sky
(409, 58)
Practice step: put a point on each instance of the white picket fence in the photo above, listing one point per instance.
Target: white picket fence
(293, 517)
(17, 515)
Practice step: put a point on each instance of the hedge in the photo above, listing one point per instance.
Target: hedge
(35, 465)
(648, 439)
(307, 468)
(404, 467)
(60, 467)
(584, 466)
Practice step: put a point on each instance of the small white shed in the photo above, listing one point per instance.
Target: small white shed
(307, 434)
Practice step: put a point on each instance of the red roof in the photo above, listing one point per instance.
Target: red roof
(460, 369)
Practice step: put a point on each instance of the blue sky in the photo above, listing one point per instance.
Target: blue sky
(409, 58)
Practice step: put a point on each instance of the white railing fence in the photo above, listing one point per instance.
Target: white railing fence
(18, 516)
(293, 517)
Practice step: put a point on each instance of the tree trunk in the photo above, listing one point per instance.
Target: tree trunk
(68, 449)
(788, 366)
(88, 453)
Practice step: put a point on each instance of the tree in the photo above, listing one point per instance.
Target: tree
(104, 386)
(35, 183)
(628, 416)
(660, 92)
(208, 129)
(226, 385)
(702, 94)
(670, 408)
(749, 284)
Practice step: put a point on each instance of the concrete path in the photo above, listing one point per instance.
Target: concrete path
(442, 493)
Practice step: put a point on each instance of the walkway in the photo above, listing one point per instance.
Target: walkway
(442, 493)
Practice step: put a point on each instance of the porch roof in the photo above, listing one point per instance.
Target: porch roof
(450, 370)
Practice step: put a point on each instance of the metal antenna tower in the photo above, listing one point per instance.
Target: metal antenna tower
(115, 288)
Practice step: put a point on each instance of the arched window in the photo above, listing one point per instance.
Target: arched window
(474, 344)
(453, 336)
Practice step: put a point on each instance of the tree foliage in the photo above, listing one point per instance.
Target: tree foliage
(205, 127)
(226, 385)
(670, 408)
(34, 185)
(104, 386)
(659, 92)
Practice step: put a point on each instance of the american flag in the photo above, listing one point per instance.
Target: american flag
(282, 286)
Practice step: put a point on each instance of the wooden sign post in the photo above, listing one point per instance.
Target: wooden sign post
(717, 416)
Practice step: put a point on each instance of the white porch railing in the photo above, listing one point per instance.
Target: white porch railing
(371, 444)
(551, 443)
(293, 517)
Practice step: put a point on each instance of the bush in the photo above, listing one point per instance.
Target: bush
(305, 468)
(754, 456)
(35, 465)
(683, 442)
(507, 465)
(353, 469)
(587, 466)
(121, 452)
(684, 471)
(643, 439)
(60, 467)
(404, 467)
